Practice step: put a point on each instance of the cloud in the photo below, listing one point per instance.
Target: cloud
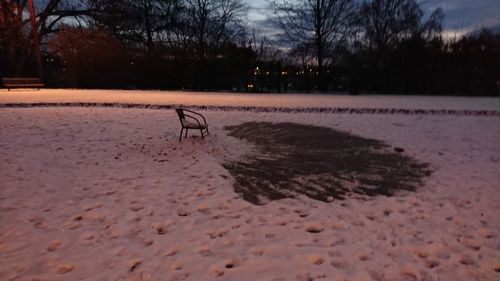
(461, 15)
(258, 10)
(465, 14)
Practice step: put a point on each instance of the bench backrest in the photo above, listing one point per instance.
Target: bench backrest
(21, 80)
(180, 113)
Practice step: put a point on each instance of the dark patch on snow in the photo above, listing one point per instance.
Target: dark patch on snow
(320, 163)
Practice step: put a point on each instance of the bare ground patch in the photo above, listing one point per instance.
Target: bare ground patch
(320, 163)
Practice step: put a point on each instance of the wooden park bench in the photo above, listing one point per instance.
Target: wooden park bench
(188, 121)
(22, 82)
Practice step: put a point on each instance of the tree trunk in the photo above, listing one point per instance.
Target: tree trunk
(320, 55)
(36, 39)
(148, 26)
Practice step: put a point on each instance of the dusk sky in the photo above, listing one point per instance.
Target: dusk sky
(462, 16)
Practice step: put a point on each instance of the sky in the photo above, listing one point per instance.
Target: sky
(462, 16)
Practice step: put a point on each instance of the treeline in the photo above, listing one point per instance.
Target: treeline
(468, 66)
(378, 46)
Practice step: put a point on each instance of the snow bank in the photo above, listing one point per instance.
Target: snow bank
(246, 99)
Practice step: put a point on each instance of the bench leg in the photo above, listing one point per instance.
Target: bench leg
(185, 136)
(201, 131)
(180, 136)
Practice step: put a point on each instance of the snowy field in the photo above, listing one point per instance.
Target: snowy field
(110, 194)
(233, 99)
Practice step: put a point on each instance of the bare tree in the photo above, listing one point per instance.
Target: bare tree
(13, 41)
(143, 23)
(385, 23)
(205, 29)
(264, 48)
(302, 54)
(318, 23)
(213, 22)
(177, 23)
(21, 34)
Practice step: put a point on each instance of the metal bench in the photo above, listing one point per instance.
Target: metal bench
(22, 82)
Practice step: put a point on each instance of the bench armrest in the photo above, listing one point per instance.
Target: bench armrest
(196, 113)
(194, 118)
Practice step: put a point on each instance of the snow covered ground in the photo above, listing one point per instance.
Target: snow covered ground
(233, 99)
(110, 194)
